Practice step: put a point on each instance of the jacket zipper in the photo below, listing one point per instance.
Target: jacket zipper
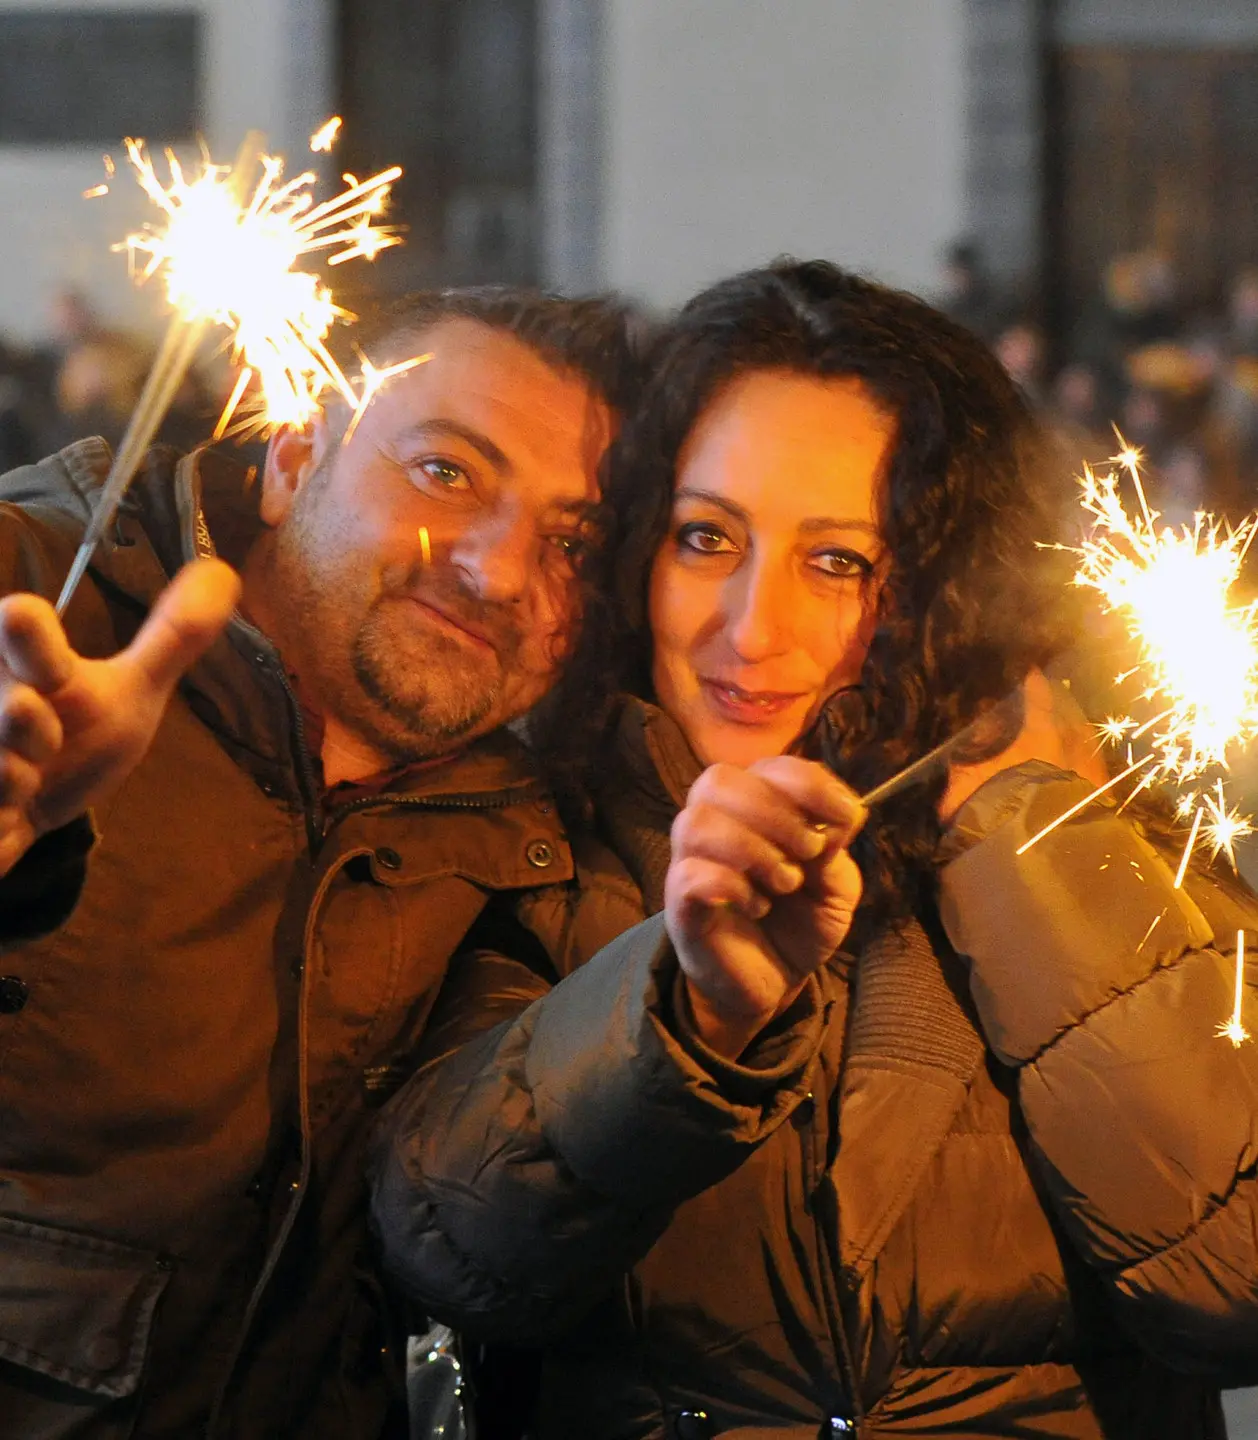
(472, 800)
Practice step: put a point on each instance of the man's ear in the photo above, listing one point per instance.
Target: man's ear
(292, 457)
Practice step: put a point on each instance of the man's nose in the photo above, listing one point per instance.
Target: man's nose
(758, 604)
(498, 557)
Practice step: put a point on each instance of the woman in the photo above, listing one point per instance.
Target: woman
(984, 1169)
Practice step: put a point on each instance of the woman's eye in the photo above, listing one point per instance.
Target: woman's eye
(446, 474)
(704, 539)
(845, 564)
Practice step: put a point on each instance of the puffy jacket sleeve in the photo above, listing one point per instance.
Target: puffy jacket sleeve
(522, 1172)
(1104, 986)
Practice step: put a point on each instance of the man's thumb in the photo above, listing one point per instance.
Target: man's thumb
(186, 620)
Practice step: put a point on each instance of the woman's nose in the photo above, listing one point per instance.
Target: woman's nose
(758, 613)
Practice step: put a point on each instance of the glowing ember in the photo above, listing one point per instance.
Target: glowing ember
(325, 136)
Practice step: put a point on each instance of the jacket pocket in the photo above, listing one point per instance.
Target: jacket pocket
(76, 1308)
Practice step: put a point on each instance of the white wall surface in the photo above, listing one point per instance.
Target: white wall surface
(740, 129)
(262, 70)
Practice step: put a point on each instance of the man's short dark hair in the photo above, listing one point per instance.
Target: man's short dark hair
(596, 338)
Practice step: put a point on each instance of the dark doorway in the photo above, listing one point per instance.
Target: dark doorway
(447, 89)
(1150, 149)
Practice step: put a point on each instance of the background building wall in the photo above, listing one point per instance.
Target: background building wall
(266, 65)
(820, 127)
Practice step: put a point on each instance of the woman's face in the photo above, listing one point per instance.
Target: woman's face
(762, 597)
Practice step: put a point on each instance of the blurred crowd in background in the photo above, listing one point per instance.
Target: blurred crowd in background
(1180, 384)
(85, 380)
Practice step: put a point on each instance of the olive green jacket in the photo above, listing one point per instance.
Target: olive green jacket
(200, 1017)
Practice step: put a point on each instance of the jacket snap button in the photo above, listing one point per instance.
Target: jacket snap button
(388, 857)
(539, 854)
(13, 994)
(693, 1425)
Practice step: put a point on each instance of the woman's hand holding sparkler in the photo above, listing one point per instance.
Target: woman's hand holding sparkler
(760, 890)
(72, 729)
(1054, 729)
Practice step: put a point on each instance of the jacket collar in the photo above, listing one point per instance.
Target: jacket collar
(652, 770)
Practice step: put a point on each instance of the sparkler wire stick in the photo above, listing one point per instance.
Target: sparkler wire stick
(919, 771)
(179, 346)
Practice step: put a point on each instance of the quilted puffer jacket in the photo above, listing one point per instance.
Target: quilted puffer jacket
(996, 1175)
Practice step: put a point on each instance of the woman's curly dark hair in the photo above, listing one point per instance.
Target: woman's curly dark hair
(970, 602)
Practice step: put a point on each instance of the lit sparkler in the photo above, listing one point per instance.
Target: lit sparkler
(1197, 649)
(228, 255)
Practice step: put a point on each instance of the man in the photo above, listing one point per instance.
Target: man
(197, 1019)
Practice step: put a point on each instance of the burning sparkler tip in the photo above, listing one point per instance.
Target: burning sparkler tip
(1231, 1030)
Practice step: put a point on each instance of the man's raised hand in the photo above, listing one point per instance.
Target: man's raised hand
(72, 729)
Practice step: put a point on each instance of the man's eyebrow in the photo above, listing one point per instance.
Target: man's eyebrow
(807, 527)
(438, 427)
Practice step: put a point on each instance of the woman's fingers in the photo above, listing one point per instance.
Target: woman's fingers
(697, 889)
(816, 791)
(713, 833)
(788, 801)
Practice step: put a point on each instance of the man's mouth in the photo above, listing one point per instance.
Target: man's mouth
(454, 621)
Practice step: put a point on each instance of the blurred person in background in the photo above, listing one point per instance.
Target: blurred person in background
(966, 292)
(1019, 346)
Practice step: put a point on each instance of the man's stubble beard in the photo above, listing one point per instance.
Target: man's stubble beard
(375, 683)
(429, 719)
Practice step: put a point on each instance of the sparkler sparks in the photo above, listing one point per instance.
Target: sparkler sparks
(1233, 1029)
(230, 263)
(373, 380)
(1197, 649)
(1197, 664)
(227, 255)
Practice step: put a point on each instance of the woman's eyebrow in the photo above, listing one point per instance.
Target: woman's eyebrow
(806, 527)
(826, 522)
(709, 498)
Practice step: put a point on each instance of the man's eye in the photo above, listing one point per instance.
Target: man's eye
(571, 547)
(446, 475)
(844, 564)
(704, 538)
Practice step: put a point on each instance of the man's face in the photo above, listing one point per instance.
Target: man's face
(414, 643)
